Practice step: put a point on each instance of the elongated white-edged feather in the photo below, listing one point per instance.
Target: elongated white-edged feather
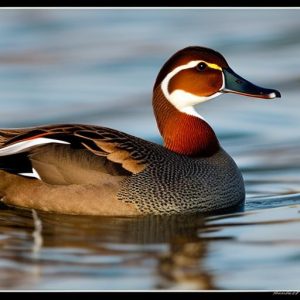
(26, 145)
(34, 174)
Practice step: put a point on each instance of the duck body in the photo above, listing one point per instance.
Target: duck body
(146, 178)
(85, 169)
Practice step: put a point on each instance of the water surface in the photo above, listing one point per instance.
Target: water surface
(98, 67)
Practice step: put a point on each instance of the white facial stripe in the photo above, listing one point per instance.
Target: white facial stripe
(183, 100)
(165, 82)
(26, 145)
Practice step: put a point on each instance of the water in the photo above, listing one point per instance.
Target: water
(98, 67)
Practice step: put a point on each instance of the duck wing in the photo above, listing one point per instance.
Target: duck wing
(74, 153)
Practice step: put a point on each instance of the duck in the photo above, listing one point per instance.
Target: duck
(84, 169)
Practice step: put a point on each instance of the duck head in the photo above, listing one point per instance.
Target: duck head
(197, 74)
(191, 76)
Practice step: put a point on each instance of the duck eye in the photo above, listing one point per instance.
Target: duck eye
(201, 66)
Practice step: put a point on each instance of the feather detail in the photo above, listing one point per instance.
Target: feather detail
(26, 145)
(129, 152)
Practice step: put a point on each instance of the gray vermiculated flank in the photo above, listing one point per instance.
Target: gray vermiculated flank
(172, 183)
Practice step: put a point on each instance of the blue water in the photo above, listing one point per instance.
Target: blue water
(98, 67)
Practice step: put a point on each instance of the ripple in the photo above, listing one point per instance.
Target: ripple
(98, 66)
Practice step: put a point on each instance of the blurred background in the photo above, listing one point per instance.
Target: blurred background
(98, 66)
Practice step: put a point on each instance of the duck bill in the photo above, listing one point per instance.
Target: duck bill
(238, 85)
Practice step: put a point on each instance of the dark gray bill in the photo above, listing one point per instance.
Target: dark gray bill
(238, 85)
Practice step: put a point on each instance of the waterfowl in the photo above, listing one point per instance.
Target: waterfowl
(93, 170)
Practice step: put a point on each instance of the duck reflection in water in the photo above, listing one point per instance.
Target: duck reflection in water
(170, 246)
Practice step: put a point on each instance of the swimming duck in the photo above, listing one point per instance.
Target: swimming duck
(92, 170)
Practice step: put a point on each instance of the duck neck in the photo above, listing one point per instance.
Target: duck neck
(183, 133)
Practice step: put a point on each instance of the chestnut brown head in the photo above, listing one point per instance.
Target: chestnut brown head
(197, 74)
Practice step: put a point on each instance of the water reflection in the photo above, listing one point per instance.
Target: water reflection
(177, 252)
(183, 266)
(95, 243)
